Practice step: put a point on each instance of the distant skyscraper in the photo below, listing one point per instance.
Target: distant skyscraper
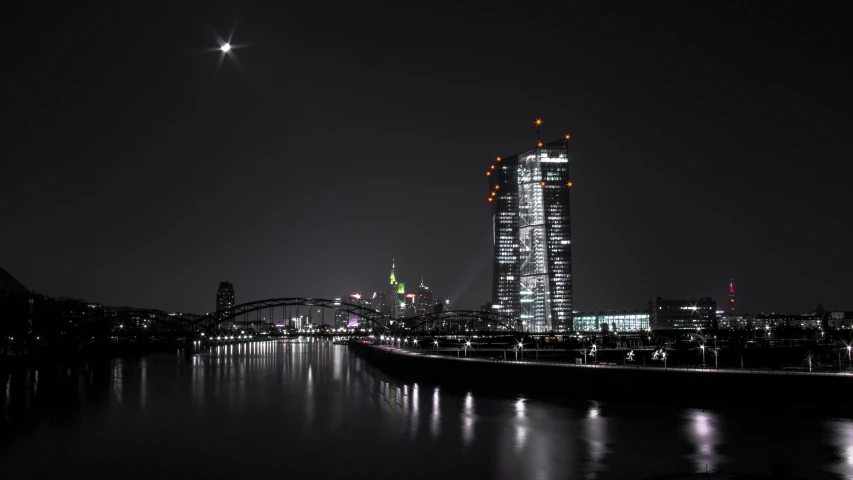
(532, 277)
(424, 301)
(397, 294)
(392, 291)
(225, 298)
(383, 303)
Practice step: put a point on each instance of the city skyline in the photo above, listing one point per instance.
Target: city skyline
(709, 152)
(539, 239)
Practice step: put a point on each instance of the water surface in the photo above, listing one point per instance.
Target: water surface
(292, 409)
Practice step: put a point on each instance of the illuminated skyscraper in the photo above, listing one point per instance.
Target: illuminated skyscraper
(397, 293)
(532, 237)
(424, 300)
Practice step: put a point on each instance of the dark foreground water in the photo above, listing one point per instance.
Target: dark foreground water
(315, 410)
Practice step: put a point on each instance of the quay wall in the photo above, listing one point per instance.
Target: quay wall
(706, 389)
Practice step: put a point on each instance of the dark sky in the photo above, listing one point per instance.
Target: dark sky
(710, 141)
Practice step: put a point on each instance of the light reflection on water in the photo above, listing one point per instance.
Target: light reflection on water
(843, 437)
(310, 399)
(435, 424)
(702, 430)
(595, 431)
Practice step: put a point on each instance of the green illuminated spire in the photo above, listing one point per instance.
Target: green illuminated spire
(393, 277)
(401, 288)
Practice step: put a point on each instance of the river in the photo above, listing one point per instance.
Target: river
(313, 409)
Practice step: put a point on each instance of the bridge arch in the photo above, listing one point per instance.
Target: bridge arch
(477, 320)
(374, 318)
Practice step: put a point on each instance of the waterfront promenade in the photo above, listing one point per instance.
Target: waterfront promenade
(610, 366)
(677, 386)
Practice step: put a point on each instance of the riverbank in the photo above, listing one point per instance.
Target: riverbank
(681, 387)
(47, 356)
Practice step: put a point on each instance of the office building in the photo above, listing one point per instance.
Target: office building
(612, 321)
(424, 303)
(682, 314)
(225, 300)
(382, 303)
(345, 319)
(532, 277)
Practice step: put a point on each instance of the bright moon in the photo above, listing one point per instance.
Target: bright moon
(225, 47)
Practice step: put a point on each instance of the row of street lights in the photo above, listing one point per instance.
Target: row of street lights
(465, 346)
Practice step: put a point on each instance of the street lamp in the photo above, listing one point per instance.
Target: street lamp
(703, 354)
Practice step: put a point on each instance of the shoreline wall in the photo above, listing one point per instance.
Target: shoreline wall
(705, 389)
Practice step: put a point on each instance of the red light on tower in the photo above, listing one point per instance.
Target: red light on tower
(568, 136)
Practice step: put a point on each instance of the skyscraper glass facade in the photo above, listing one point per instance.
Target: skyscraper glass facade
(532, 237)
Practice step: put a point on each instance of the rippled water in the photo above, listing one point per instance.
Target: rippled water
(297, 409)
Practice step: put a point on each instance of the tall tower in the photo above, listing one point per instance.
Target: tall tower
(532, 277)
(731, 296)
(394, 295)
(425, 304)
(225, 299)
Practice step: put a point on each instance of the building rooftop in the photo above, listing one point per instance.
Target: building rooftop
(9, 285)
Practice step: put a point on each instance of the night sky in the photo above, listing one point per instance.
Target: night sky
(709, 142)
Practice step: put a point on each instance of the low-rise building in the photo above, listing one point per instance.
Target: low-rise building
(612, 321)
(682, 314)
